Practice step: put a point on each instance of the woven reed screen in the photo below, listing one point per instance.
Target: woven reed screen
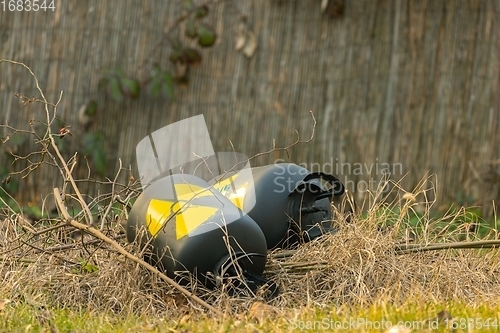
(406, 86)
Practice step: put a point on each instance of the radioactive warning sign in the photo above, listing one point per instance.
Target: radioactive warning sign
(232, 190)
(185, 211)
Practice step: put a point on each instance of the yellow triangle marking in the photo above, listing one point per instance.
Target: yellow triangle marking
(226, 188)
(188, 216)
(191, 218)
(238, 197)
(158, 214)
(220, 185)
(189, 191)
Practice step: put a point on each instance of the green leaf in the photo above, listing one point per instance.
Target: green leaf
(167, 85)
(87, 267)
(161, 81)
(191, 29)
(99, 160)
(206, 36)
(176, 44)
(93, 148)
(167, 78)
(168, 89)
(119, 72)
(192, 56)
(130, 87)
(111, 82)
(175, 56)
(201, 12)
(91, 108)
(114, 90)
(103, 83)
(155, 87)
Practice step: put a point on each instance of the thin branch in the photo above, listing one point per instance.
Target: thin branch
(108, 209)
(98, 234)
(85, 207)
(84, 243)
(415, 248)
(290, 145)
(47, 252)
(51, 138)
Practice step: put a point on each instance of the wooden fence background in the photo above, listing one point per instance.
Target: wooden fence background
(410, 85)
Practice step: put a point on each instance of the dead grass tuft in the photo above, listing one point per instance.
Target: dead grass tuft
(377, 254)
(85, 277)
(359, 265)
(356, 266)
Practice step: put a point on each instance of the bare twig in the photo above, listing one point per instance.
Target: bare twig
(103, 218)
(98, 234)
(414, 248)
(47, 252)
(411, 248)
(85, 207)
(49, 135)
(74, 245)
(274, 149)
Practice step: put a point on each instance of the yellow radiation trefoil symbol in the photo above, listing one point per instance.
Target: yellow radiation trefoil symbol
(187, 215)
(227, 188)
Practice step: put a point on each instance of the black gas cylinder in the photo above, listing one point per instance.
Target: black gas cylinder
(289, 203)
(190, 226)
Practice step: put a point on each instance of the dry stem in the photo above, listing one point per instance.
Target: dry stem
(98, 234)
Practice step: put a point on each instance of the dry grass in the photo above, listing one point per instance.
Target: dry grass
(45, 265)
(357, 266)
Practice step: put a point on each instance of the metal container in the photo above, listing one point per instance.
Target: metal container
(289, 203)
(189, 226)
